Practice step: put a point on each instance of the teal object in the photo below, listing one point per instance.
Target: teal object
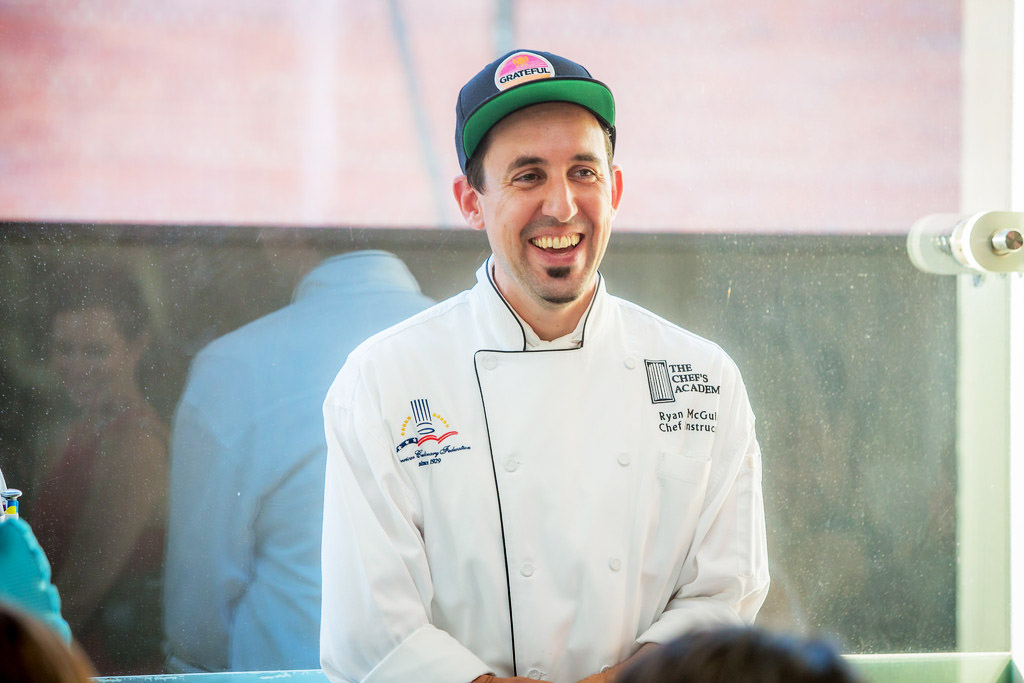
(25, 576)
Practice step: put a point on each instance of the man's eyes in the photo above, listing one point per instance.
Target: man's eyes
(583, 173)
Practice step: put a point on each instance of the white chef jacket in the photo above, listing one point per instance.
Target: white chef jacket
(242, 581)
(538, 513)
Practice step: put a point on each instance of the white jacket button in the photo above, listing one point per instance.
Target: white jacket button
(526, 570)
(535, 674)
(630, 363)
(615, 564)
(490, 362)
(511, 465)
(623, 459)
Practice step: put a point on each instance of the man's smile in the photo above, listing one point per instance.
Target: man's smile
(556, 242)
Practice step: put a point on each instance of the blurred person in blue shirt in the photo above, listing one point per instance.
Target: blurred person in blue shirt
(248, 454)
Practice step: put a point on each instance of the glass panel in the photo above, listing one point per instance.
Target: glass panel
(848, 353)
(774, 158)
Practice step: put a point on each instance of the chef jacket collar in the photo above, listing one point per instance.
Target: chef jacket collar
(514, 333)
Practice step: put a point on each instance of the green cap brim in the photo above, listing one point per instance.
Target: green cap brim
(591, 94)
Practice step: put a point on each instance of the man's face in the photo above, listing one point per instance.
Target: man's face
(547, 206)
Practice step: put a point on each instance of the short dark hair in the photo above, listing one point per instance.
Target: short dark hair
(740, 655)
(475, 163)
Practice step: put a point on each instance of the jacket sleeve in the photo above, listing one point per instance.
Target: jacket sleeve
(377, 587)
(724, 578)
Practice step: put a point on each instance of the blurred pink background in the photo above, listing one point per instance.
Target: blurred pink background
(766, 116)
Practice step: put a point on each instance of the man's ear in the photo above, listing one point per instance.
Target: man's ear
(616, 188)
(469, 202)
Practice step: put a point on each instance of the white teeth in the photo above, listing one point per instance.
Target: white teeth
(563, 242)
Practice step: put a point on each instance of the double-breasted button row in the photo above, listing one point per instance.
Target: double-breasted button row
(527, 569)
(511, 463)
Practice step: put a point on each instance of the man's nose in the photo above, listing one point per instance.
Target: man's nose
(560, 201)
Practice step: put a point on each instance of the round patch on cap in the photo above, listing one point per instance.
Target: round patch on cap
(522, 67)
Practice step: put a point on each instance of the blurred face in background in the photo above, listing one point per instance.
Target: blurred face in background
(93, 358)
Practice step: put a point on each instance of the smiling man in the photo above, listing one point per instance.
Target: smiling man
(535, 478)
(546, 198)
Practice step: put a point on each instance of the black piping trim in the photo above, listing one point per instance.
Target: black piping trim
(515, 317)
(490, 447)
(597, 290)
(583, 335)
(501, 517)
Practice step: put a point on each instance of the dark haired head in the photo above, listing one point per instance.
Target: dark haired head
(30, 651)
(740, 655)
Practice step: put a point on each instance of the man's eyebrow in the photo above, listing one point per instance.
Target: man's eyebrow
(524, 160)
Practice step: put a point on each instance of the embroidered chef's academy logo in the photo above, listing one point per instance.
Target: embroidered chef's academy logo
(522, 67)
(665, 380)
(424, 436)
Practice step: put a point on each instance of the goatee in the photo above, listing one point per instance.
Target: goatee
(560, 273)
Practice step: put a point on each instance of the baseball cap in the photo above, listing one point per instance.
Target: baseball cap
(518, 79)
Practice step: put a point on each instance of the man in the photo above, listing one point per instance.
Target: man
(535, 478)
(242, 586)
